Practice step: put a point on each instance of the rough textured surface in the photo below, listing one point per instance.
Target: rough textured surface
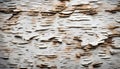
(63, 34)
